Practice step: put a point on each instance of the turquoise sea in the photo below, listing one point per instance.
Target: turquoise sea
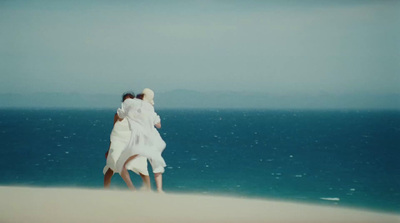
(346, 158)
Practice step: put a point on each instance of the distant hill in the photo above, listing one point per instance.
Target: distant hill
(193, 99)
(59, 100)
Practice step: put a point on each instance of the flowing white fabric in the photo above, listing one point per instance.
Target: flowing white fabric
(145, 139)
(120, 136)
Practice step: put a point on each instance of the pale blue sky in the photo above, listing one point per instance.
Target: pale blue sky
(277, 47)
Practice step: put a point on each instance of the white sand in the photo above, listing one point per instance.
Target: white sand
(39, 205)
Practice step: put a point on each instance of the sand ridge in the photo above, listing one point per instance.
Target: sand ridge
(29, 204)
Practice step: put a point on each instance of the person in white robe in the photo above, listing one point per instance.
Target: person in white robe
(145, 139)
(119, 139)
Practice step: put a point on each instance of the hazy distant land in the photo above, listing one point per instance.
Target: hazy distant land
(195, 99)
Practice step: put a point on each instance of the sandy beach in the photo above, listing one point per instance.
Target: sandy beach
(27, 204)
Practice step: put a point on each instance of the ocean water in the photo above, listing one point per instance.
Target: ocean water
(339, 158)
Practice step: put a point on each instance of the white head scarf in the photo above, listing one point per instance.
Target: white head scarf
(148, 95)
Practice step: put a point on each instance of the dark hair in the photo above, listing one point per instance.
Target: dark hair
(128, 94)
(140, 96)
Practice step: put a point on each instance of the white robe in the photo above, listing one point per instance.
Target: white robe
(120, 136)
(145, 140)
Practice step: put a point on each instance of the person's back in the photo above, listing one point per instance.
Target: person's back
(141, 115)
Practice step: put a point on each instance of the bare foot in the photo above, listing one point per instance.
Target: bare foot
(132, 189)
(145, 189)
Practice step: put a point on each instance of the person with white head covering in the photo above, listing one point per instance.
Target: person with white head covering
(145, 140)
(119, 139)
(148, 95)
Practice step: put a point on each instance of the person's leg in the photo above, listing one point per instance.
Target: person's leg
(158, 179)
(125, 174)
(107, 178)
(146, 181)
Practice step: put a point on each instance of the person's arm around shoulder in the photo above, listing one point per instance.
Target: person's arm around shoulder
(122, 112)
